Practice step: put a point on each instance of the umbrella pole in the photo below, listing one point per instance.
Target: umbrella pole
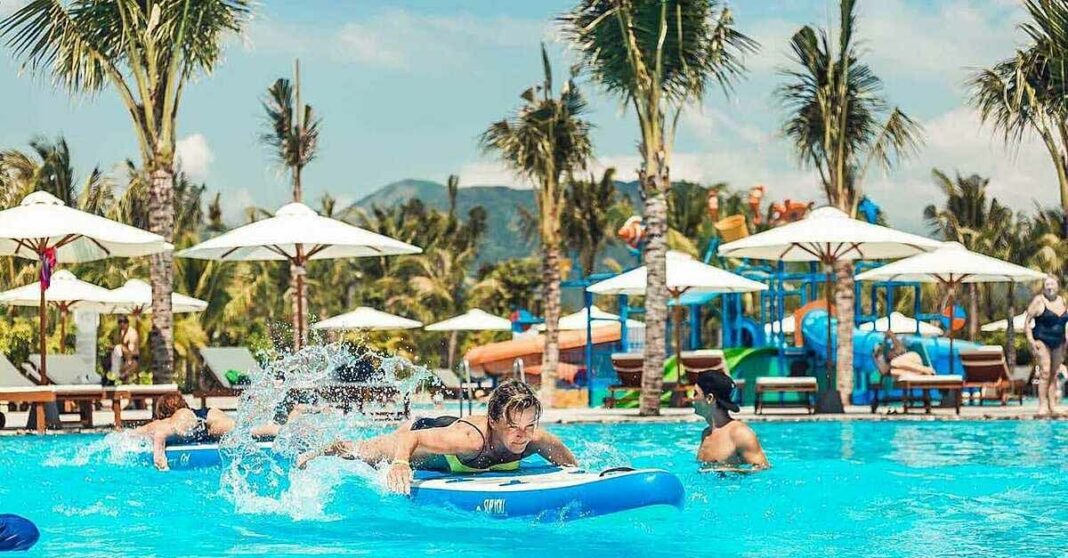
(951, 297)
(42, 313)
(830, 401)
(298, 330)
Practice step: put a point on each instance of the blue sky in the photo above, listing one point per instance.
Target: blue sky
(405, 88)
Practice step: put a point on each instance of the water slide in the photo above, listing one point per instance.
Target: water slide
(935, 350)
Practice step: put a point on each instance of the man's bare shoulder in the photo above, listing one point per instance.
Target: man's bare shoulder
(741, 434)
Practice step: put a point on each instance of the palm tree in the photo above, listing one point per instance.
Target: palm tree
(968, 218)
(148, 52)
(1026, 92)
(293, 133)
(836, 122)
(592, 210)
(657, 55)
(49, 168)
(545, 140)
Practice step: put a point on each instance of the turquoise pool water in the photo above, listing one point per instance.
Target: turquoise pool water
(836, 489)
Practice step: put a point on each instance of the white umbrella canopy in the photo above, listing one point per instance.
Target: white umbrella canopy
(684, 274)
(368, 319)
(826, 235)
(1018, 323)
(42, 227)
(135, 297)
(786, 326)
(577, 320)
(41, 222)
(900, 323)
(951, 263)
(472, 320)
(297, 234)
(64, 290)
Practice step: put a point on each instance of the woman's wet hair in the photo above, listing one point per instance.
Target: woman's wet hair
(511, 398)
(167, 405)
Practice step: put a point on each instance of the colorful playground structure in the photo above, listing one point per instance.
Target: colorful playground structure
(781, 332)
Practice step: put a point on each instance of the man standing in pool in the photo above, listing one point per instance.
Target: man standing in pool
(726, 443)
(477, 444)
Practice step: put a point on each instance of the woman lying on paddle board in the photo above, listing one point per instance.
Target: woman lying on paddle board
(476, 444)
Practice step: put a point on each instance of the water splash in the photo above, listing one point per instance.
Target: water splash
(117, 448)
(319, 394)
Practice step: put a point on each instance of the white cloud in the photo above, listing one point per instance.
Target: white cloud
(194, 156)
(402, 40)
(490, 173)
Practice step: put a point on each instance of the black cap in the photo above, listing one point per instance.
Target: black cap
(718, 385)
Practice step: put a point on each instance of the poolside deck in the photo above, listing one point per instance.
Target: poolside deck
(102, 419)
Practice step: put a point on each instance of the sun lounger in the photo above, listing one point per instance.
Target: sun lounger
(17, 388)
(986, 375)
(217, 361)
(925, 383)
(628, 367)
(805, 386)
(64, 369)
(697, 362)
(704, 360)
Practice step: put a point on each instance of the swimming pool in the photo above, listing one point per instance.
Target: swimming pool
(836, 489)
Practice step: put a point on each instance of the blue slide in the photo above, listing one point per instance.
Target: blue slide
(934, 350)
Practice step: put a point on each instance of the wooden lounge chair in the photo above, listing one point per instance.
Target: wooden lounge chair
(986, 376)
(17, 388)
(805, 386)
(217, 361)
(75, 383)
(925, 383)
(628, 367)
(705, 360)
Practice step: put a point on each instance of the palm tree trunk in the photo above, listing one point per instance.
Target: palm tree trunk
(161, 222)
(452, 349)
(551, 353)
(844, 309)
(654, 179)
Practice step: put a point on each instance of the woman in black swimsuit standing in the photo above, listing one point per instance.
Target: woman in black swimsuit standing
(1047, 338)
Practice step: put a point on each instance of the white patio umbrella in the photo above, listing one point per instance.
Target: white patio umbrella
(827, 235)
(135, 297)
(684, 275)
(900, 323)
(472, 320)
(951, 265)
(1018, 323)
(297, 234)
(577, 320)
(42, 228)
(367, 319)
(65, 291)
(785, 325)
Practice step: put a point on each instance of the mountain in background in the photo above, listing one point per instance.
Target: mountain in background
(503, 238)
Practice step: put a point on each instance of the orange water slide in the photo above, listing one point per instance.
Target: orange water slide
(497, 358)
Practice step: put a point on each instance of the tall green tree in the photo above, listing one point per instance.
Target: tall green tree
(841, 125)
(593, 209)
(546, 140)
(293, 134)
(657, 56)
(1028, 92)
(147, 52)
(967, 216)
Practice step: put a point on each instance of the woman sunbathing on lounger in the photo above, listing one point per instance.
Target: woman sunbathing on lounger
(896, 360)
(174, 421)
(476, 444)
